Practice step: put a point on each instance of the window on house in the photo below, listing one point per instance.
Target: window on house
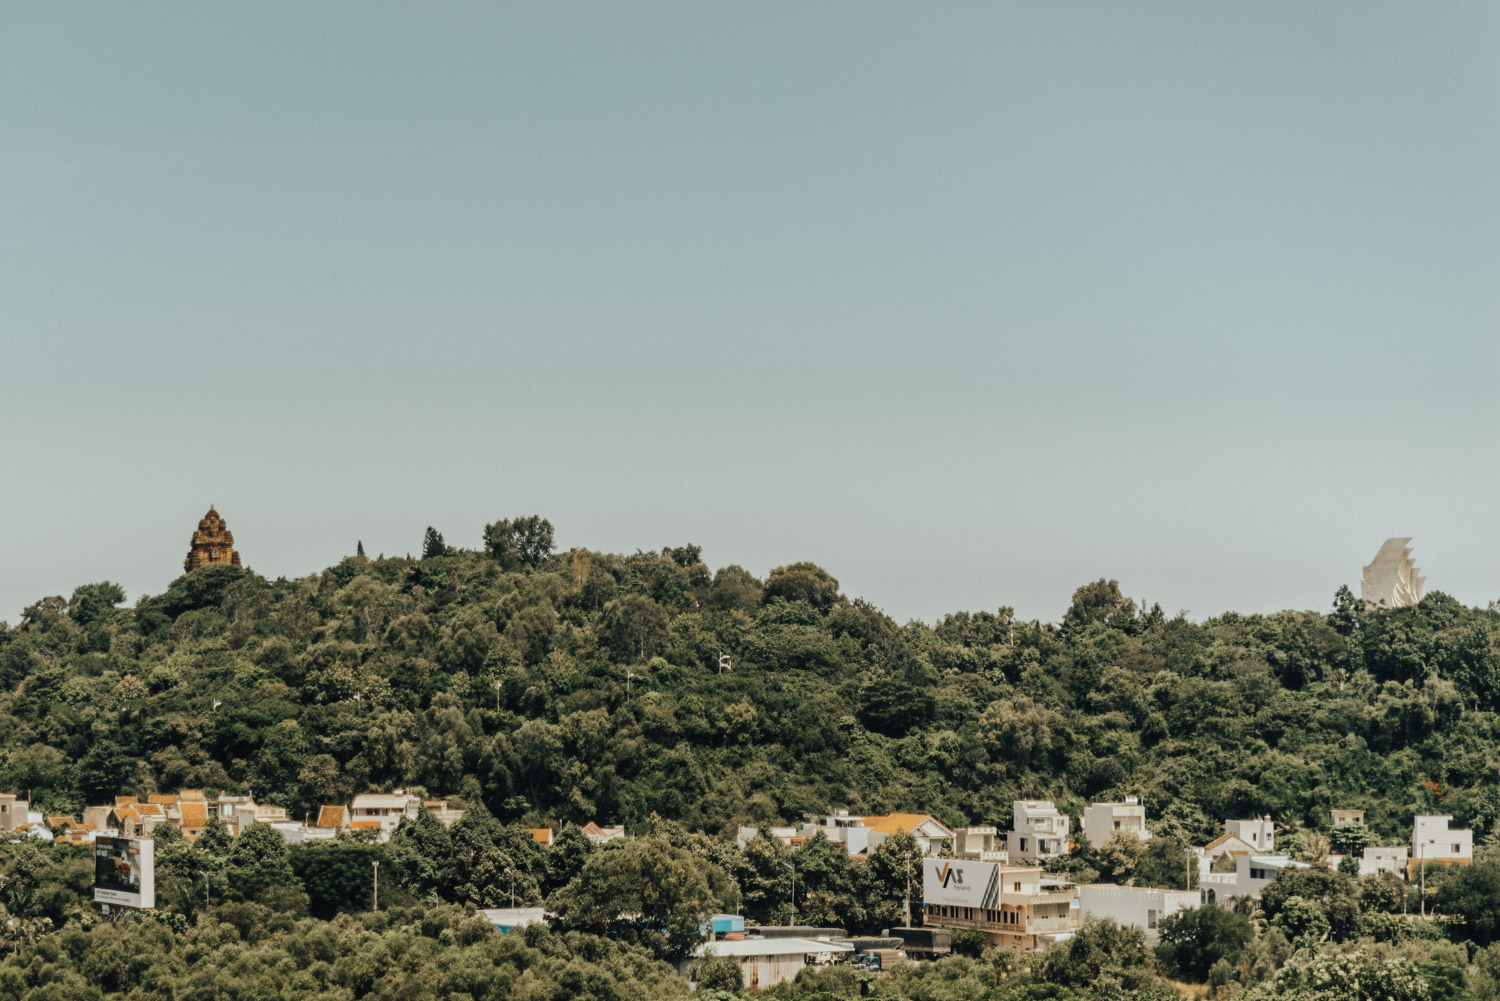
(1455, 849)
(1023, 844)
(1117, 825)
(1018, 888)
(1150, 919)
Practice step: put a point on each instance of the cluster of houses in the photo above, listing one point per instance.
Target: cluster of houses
(972, 877)
(978, 877)
(189, 810)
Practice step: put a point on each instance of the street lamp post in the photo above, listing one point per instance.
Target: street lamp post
(375, 884)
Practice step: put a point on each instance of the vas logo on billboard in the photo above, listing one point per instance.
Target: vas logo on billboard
(950, 876)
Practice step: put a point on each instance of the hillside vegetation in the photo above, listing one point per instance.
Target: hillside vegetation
(580, 685)
(543, 688)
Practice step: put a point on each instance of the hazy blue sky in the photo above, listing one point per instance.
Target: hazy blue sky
(970, 304)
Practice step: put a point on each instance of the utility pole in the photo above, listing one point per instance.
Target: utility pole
(906, 904)
(792, 865)
(1422, 879)
(375, 884)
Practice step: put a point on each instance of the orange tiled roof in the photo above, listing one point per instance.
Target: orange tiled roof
(366, 823)
(899, 823)
(126, 800)
(194, 814)
(125, 813)
(150, 809)
(1221, 839)
(541, 835)
(162, 799)
(61, 822)
(331, 816)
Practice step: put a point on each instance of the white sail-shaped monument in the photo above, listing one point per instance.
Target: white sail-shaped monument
(1391, 580)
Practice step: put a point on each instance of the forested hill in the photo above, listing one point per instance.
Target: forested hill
(573, 686)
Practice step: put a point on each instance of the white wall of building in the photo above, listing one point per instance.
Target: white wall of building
(1434, 837)
(1104, 821)
(1139, 906)
(1259, 834)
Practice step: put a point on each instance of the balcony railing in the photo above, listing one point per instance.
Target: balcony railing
(1035, 926)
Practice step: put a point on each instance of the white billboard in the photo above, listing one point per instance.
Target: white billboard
(125, 872)
(961, 883)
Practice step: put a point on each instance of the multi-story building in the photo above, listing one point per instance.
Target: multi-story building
(1342, 817)
(1014, 905)
(1435, 839)
(12, 812)
(1040, 831)
(383, 811)
(1105, 821)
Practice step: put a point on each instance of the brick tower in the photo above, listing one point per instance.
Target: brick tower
(212, 543)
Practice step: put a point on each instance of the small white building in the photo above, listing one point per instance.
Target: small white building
(1140, 906)
(1040, 831)
(1250, 876)
(598, 835)
(766, 962)
(1383, 859)
(1105, 821)
(507, 918)
(382, 811)
(1434, 839)
(14, 812)
(782, 834)
(982, 843)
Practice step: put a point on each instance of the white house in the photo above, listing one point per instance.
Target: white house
(382, 811)
(1259, 833)
(1434, 839)
(932, 835)
(1039, 831)
(1104, 821)
(981, 842)
(850, 830)
(766, 962)
(1141, 906)
(1250, 876)
(1383, 859)
(783, 834)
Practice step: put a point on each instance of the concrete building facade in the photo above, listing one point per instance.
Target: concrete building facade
(1140, 906)
(1014, 905)
(1105, 821)
(1039, 831)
